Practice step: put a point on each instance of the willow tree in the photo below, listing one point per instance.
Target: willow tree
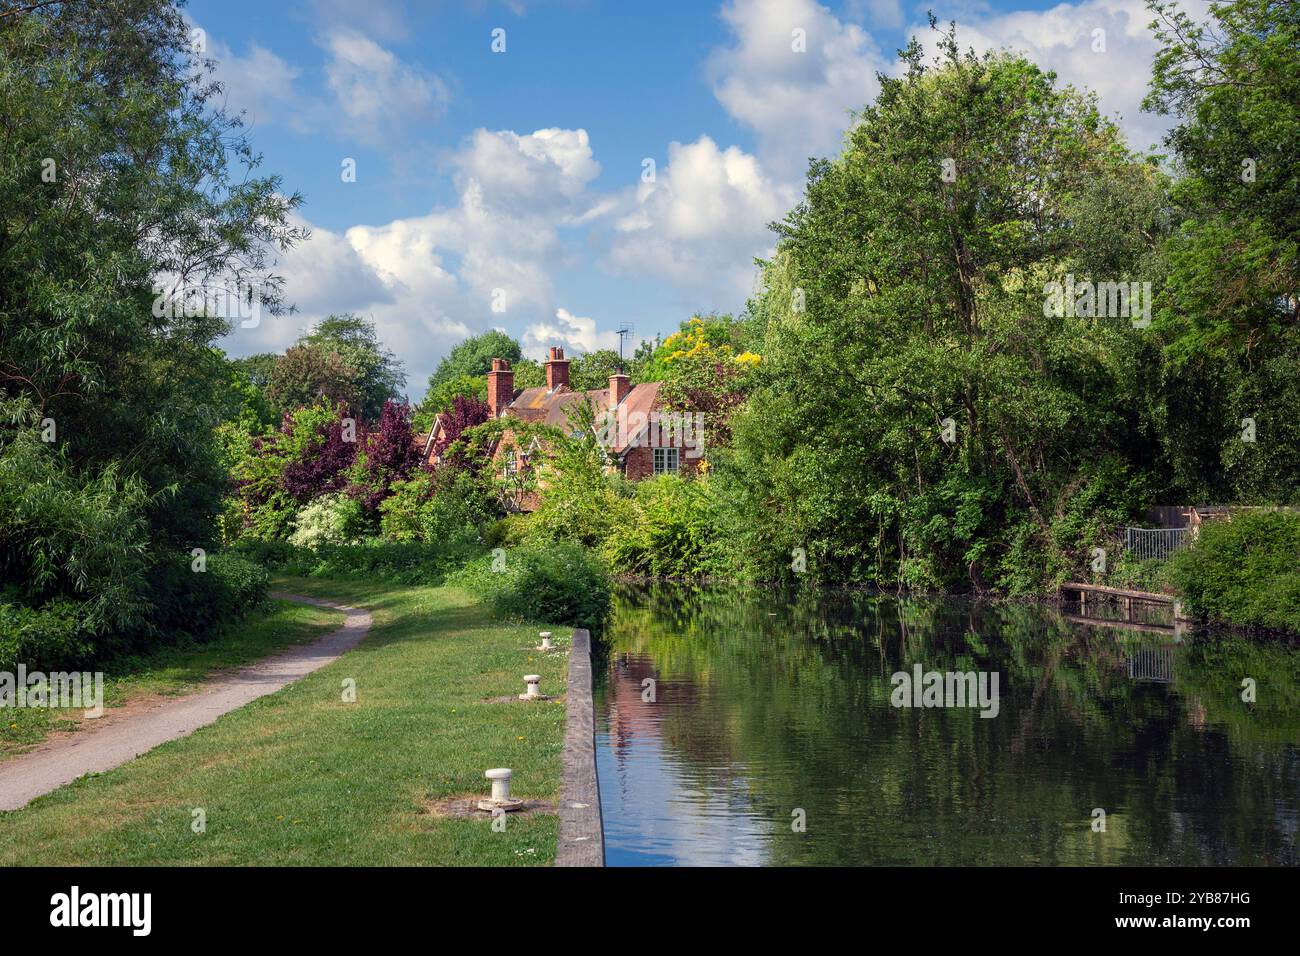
(119, 176)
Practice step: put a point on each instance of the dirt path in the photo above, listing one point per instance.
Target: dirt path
(112, 740)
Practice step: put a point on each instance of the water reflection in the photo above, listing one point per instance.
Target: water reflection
(770, 708)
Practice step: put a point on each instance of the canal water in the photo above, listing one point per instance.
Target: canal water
(752, 728)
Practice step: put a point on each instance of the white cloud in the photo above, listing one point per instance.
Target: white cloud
(377, 91)
(576, 333)
(429, 281)
(797, 103)
(547, 169)
(1062, 39)
(701, 223)
(259, 84)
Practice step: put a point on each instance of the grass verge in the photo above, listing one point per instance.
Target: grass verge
(302, 778)
(174, 670)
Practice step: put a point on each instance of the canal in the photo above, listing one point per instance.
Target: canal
(752, 728)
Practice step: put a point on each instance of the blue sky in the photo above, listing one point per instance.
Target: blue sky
(512, 189)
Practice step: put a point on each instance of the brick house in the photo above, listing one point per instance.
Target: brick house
(641, 438)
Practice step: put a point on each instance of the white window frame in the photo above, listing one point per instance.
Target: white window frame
(667, 461)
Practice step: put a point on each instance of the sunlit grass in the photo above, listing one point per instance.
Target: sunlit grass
(301, 777)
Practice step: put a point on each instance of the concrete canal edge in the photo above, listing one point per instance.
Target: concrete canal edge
(582, 835)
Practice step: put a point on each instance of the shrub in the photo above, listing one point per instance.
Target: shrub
(412, 562)
(52, 637)
(674, 533)
(1244, 572)
(201, 604)
(560, 583)
(449, 504)
(330, 519)
(509, 532)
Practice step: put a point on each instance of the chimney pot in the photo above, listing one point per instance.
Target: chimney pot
(619, 386)
(557, 369)
(501, 387)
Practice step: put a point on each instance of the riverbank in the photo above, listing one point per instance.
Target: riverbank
(306, 777)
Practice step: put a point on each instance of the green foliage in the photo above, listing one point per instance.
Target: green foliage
(592, 370)
(368, 559)
(674, 531)
(55, 636)
(579, 502)
(452, 504)
(377, 372)
(1235, 258)
(1244, 572)
(330, 519)
(68, 533)
(900, 298)
(199, 604)
(558, 582)
(473, 357)
(148, 178)
(440, 399)
(307, 375)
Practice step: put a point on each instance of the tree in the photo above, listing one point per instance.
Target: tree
(306, 374)
(592, 370)
(388, 455)
(120, 179)
(1230, 310)
(378, 373)
(473, 357)
(919, 417)
(464, 414)
(1234, 86)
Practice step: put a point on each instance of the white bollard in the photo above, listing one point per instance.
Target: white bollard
(533, 682)
(546, 640)
(500, 778)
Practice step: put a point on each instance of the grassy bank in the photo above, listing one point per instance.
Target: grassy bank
(300, 777)
(173, 670)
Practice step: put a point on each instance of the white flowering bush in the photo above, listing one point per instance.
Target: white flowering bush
(330, 519)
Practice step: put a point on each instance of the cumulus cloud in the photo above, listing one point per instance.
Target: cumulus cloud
(1115, 62)
(376, 90)
(701, 222)
(430, 280)
(578, 334)
(798, 103)
(546, 169)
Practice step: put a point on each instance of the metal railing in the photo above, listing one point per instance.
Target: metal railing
(1155, 664)
(1156, 543)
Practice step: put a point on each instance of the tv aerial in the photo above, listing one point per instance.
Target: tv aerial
(625, 332)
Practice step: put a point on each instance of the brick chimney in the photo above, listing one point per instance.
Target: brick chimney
(557, 368)
(619, 386)
(501, 387)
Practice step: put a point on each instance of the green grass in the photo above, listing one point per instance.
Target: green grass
(174, 670)
(300, 777)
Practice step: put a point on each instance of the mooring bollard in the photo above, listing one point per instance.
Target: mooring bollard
(500, 799)
(500, 783)
(546, 640)
(533, 683)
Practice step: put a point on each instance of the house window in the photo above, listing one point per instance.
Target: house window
(665, 461)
